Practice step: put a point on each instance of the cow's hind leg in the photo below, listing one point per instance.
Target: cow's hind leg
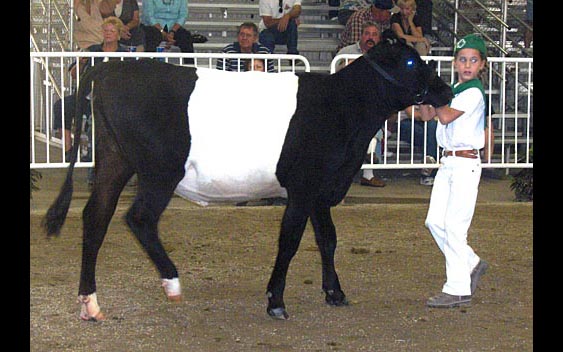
(153, 195)
(325, 235)
(293, 224)
(110, 178)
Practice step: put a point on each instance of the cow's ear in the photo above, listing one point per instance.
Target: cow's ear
(433, 64)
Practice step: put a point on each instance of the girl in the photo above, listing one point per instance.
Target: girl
(460, 133)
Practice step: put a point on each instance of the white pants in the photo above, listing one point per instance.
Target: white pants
(452, 204)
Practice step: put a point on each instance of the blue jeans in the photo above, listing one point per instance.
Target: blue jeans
(431, 143)
(269, 37)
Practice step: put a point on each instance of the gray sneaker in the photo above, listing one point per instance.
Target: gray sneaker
(476, 274)
(444, 300)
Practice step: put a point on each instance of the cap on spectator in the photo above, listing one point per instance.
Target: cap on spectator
(472, 41)
(383, 4)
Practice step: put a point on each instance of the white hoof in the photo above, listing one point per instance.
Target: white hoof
(172, 289)
(90, 310)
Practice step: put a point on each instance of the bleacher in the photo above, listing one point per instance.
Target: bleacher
(218, 20)
(319, 35)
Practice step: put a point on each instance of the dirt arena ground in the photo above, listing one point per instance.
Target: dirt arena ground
(386, 259)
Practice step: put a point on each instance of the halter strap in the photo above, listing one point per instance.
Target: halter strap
(419, 96)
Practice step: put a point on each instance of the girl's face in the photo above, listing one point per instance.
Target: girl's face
(468, 64)
(406, 11)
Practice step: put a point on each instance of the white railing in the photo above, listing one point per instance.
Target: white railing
(509, 88)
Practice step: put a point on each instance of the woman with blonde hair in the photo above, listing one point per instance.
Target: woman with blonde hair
(407, 25)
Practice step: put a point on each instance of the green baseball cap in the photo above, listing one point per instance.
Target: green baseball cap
(472, 41)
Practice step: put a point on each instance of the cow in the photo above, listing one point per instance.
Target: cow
(145, 130)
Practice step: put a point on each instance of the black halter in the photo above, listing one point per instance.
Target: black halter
(419, 97)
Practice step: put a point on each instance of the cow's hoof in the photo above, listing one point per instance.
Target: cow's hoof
(177, 298)
(336, 298)
(172, 289)
(89, 309)
(278, 313)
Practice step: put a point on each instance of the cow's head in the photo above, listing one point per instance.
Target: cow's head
(401, 65)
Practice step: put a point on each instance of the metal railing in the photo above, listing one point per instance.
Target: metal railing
(510, 97)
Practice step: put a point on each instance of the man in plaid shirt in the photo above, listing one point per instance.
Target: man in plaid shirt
(378, 13)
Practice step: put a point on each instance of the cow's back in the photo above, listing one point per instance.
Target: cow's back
(142, 106)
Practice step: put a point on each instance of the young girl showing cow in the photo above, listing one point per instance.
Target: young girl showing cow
(461, 134)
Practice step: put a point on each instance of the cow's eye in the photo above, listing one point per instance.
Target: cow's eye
(410, 63)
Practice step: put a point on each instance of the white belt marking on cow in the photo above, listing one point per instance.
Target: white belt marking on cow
(238, 122)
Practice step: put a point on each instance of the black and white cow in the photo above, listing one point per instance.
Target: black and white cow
(144, 129)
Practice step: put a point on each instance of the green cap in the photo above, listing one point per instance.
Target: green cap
(472, 41)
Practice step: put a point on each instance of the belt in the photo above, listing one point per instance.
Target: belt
(466, 153)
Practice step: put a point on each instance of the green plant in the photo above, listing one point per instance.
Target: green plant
(523, 183)
(34, 176)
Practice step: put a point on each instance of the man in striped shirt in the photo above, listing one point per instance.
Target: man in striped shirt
(378, 13)
(247, 43)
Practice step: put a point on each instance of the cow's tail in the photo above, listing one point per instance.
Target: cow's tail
(56, 215)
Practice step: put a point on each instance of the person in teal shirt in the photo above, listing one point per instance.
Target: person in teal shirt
(162, 20)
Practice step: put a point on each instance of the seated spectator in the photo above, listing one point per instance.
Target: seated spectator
(424, 10)
(280, 19)
(370, 36)
(163, 21)
(131, 34)
(247, 43)
(348, 7)
(414, 131)
(378, 13)
(255, 65)
(111, 29)
(406, 24)
(88, 20)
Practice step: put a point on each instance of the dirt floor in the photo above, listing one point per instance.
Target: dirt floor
(386, 259)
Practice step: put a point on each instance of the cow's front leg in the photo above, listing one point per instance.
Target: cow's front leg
(325, 235)
(293, 224)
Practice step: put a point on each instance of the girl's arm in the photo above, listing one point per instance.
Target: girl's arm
(445, 113)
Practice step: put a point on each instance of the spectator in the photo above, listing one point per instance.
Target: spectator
(424, 10)
(255, 65)
(348, 7)
(111, 28)
(406, 25)
(378, 13)
(406, 134)
(370, 36)
(131, 34)
(87, 23)
(247, 43)
(163, 21)
(529, 33)
(280, 19)
(460, 133)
